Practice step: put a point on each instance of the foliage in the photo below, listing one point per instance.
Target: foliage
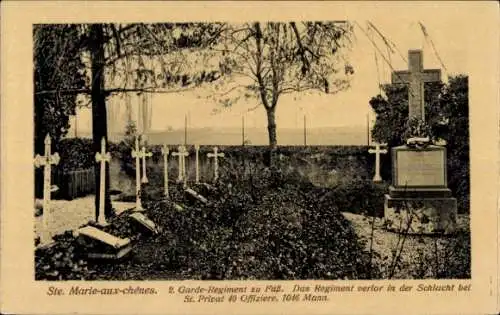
(455, 261)
(57, 66)
(262, 225)
(66, 258)
(447, 118)
(76, 154)
(450, 258)
(62, 261)
(417, 128)
(125, 147)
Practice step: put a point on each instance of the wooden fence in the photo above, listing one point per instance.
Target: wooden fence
(71, 184)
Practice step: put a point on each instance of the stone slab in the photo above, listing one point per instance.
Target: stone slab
(419, 167)
(121, 206)
(103, 237)
(196, 195)
(144, 221)
(428, 215)
(416, 192)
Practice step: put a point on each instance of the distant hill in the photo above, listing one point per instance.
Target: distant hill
(346, 135)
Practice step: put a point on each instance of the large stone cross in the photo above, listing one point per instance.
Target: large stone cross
(102, 157)
(377, 151)
(46, 161)
(415, 78)
(216, 157)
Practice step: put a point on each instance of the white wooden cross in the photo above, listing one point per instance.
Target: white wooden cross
(197, 150)
(102, 157)
(216, 156)
(144, 155)
(377, 151)
(181, 154)
(46, 161)
(415, 78)
(164, 151)
(137, 155)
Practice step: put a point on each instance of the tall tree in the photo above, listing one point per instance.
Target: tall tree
(268, 60)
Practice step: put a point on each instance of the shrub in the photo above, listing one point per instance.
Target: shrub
(62, 261)
(76, 154)
(263, 225)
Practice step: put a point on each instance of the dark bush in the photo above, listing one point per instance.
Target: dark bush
(76, 154)
(263, 224)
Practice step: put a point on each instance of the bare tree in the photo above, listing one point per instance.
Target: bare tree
(267, 60)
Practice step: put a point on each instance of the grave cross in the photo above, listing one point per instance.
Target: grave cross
(137, 155)
(46, 161)
(102, 157)
(144, 155)
(216, 156)
(164, 151)
(197, 150)
(377, 151)
(181, 154)
(415, 78)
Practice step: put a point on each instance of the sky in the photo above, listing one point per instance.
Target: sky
(449, 35)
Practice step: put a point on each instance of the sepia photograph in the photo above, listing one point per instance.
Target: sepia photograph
(243, 157)
(252, 150)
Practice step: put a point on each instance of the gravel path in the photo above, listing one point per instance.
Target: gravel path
(68, 215)
(416, 247)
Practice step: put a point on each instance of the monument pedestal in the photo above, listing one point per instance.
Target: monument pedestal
(419, 201)
(434, 215)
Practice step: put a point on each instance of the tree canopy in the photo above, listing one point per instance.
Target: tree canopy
(267, 60)
(57, 67)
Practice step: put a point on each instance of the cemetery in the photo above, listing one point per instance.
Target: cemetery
(395, 207)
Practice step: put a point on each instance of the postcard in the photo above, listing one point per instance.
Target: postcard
(249, 157)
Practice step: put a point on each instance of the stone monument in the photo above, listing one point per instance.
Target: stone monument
(46, 162)
(419, 201)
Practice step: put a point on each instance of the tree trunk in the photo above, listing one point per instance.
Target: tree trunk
(99, 119)
(271, 128)
(273, 142)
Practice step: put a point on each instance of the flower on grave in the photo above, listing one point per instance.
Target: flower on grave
(418, 133)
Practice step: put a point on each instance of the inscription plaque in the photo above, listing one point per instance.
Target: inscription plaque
(420, 168)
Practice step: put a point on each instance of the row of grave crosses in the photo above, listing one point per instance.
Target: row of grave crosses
(181, 154)
(103, 157)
